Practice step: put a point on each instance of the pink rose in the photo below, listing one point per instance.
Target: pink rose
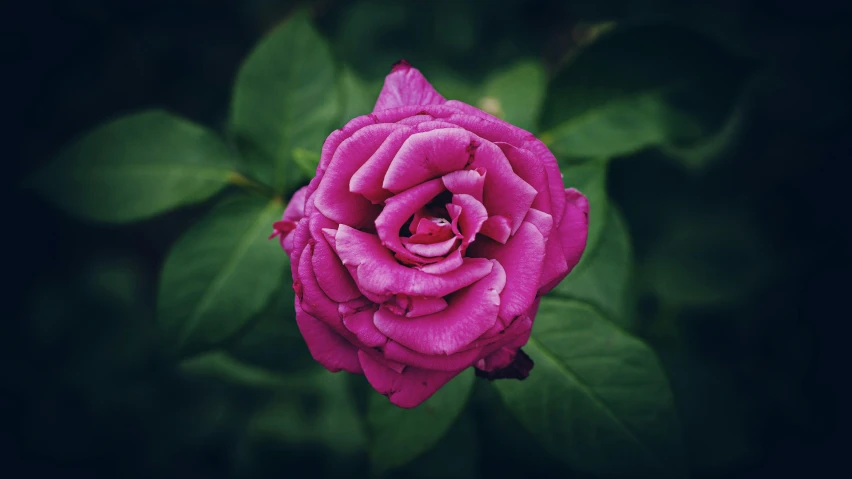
(422, 246)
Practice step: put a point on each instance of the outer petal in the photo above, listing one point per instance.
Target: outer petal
(472, 312)
(441, 362)
(554, 176)
(333, 278)
(405, 86)
(522, 257)
(327, 347)
(407, 389)
(361, 324)
(572, 232)
(332, 197)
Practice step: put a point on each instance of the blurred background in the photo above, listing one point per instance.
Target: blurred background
(742, 257)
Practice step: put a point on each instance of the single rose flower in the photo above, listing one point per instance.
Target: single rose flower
(422, 246)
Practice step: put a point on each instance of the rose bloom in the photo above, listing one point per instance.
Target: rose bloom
(425, 241)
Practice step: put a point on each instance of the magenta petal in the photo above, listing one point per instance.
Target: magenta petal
(473, 215)
(356, 305)
(451, 262)
(471, 312)
(332, 276)
(572, 233)
(574, 228)
(497, 228)
(441, 362)
(367, 180)
(378, 272)
(427, 155)
(361, 324)
(421, 306)
(327, 347)
(405, 86)
(541, 220)
(407, 389)
(468, 182)
(506, 194)
(487, 126)
(296, 207)
(554, 176)
(432, 250)
(313, 299)
(393, 115)
(497, 360)
(555, 266)
(332, 197)
(531, 169)
(522, 257)
(397, 211)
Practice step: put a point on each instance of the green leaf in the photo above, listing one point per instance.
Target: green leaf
(602, 277)
(307, 161)
(223, 367)
(136, 167)
(597, 397)
(641, 86)
(285, 98)
(272, 339)
(401, 435)
(322, 412)
(220, 273)
(590, 179)
(358, 97)
(516, 94)
(456, 456)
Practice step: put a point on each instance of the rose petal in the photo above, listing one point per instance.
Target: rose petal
(427, 155)
(378, 272)
(407, 389)
(531, 169)
(397, 211)
(327, 347)
(505, 194)
(332, 197)
(471, 312)
(555, 266)
(421, 306)
(484, 125)
(432, 250)
(554, 176)
(469, 182)
(296, 207)
(451, 262)
(541, 220)
(367, 180)
(312, 298)
(473, 215)
(361, 324)
(522, 257)
(404, 86)
(505, 363)
(441, 362)
(332, 276)
(572, 232)
(497, 228)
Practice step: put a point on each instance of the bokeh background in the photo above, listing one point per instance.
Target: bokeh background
(741, 264)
